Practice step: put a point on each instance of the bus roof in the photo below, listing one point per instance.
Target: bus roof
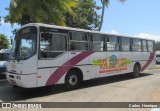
(76, 29)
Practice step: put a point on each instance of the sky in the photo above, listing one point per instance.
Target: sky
(139, 18)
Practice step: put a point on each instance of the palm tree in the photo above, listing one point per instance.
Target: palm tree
(45, 11)
(105, 3)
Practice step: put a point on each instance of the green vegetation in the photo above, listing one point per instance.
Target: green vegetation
(41, 11)
(157, 67)
(4, 43)
(87, 17)
(74, 13)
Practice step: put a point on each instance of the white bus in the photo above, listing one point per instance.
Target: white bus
(47, 54)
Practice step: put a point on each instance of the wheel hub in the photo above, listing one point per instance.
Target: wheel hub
(73, 80)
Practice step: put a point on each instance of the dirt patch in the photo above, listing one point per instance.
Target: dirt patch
(155, 95)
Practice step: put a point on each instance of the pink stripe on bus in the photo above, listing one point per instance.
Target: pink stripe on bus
(152, 54)
(55, 77)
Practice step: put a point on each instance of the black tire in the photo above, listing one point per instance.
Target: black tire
(72, 80)
(157, 62)
(136, 71)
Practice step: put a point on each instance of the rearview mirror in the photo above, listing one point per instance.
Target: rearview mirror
(11, 41)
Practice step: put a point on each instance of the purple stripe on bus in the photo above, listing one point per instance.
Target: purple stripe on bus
(55, 77)
(152, 54)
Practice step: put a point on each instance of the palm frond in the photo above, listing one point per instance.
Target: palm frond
(45, 11)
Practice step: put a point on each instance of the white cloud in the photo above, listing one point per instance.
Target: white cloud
(148, 36)
(140, 35)
(3, 23)
(114, 32)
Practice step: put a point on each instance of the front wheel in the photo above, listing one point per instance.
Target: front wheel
(136, 71)
(72, 80)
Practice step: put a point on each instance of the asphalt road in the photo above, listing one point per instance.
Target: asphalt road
(121, 88)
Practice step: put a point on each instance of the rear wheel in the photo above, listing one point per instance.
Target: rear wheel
(72, 79)
(136, 71)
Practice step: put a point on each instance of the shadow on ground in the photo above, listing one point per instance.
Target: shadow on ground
(2, 76)
(7, 93)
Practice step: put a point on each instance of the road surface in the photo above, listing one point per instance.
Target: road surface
(120, 88)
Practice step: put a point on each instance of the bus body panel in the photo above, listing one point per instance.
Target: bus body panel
(46, 67)
(14, 67)
(42, 76)
(24, 66)
(90, 70)
(30, 65)
(26, 81)
(38, 71)
(23, 73)
(95, 66)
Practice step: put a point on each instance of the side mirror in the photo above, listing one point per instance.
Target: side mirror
(11, 41)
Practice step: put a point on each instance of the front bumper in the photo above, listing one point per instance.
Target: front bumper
(158, 60)
(22, 80)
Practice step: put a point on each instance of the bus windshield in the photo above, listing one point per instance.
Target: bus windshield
(25, 44)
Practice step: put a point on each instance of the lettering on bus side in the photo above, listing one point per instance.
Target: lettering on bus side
(112, 64)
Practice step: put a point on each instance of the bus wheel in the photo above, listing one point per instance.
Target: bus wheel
(72, 80)
(136, 71)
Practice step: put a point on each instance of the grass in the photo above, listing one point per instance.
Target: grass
(157, 67)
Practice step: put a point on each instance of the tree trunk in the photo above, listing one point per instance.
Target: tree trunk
(102, 17)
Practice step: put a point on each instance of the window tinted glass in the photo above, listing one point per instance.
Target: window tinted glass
(126, 44)
(157, 55)
(150, 46)
(97, 42)
(113, 43)
(78, 36)
(144, 45)
(52, 45)
(137, 46)
(78, 41)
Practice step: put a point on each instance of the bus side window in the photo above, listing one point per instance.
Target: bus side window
(113, 43)
(144, 46)
(150, 46)
(97, 42)
(137, 45)
(126, 43)
(78, 41)
(53, 45)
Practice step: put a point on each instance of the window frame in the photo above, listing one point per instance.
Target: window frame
(136, 45)
(118, 43)
(150, 46)
(144, 46)
(76, 41)
(66, 41)
(130, 44)
(104, 41)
